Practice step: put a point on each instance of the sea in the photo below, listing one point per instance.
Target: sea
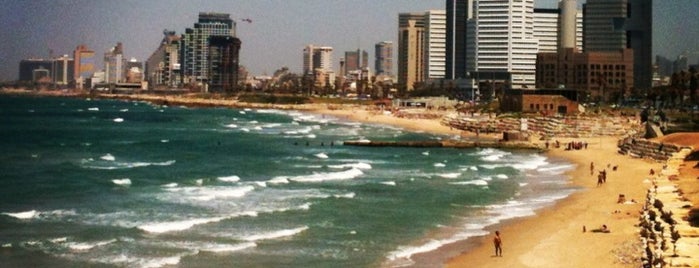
(111, 183)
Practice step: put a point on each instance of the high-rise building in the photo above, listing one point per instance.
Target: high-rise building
(567, 23)
(411, 56)
(114, 64)
(383, 59)
(505, 40)
(163, 67)
(459, 39)
(365, 60)
(546, 28)
(352, 61)
(57, 71)
(223, 63)
(435, 44)
(84, 63)
(611, 25)
(195, 45)
(63, 69)
(317, 57)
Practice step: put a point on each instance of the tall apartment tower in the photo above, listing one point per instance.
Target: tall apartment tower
(457, 41)
(383, 58)
(435, 45)
(114, 64)
(163, 67)
(223, 63)
(317, 57)
(612, 25)
(195, 45)
(84, 63)
(411, 56)
(365, 60)
(505, 41)
(352, 61)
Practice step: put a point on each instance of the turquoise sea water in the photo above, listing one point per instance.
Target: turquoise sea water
(128, 184)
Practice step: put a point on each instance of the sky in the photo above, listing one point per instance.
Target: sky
(275, 38)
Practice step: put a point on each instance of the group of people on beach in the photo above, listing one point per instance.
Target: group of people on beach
(573, 145)
(602, 175)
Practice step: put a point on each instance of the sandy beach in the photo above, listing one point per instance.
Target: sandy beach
(559, 236)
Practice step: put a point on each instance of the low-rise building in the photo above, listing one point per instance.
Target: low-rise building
(601, 75)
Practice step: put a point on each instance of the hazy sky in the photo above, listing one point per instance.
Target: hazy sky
(275, 38)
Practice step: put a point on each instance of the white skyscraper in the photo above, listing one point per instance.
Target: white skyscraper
(505, 39)
(435, 44)
(546, 28)
(317, 57)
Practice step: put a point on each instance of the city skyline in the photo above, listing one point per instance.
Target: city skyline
(274, 39)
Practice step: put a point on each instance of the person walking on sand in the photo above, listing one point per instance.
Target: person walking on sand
(497, 241)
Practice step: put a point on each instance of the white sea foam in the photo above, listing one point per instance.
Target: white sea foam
(124, 110)
(260, 183)
(163, 227)
(108, 157)
(321, 155)
(362, 166)
(85, 246)
(501, 176)
(331, 176)
(233, 178)
(556, 169)
(59, 240)
(242, 112)
(449, 175)
(94, 109)
(199, 182)
(164, 141)
(272, 125)
(311, 136)
(426, 153)
(158, 262)
(279, 180)
(349, 195)
(220, 248)
(439, 165)
(123, 165)
(188, 194)
(275, 234)
(531, 162)
(118, 119)
(170, 185)
(231, 126)
(472, 182)
(25, 215)
(245, 129)
(390, 183)
(122, 182)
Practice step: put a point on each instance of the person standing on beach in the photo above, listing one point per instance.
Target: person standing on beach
(497, 241)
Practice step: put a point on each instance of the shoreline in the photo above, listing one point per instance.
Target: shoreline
(553, 235)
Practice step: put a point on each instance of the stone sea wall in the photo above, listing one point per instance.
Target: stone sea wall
(642, 148)
(667, 238)
(571, 127)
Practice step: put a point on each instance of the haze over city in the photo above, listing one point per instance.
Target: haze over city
(274, 38)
